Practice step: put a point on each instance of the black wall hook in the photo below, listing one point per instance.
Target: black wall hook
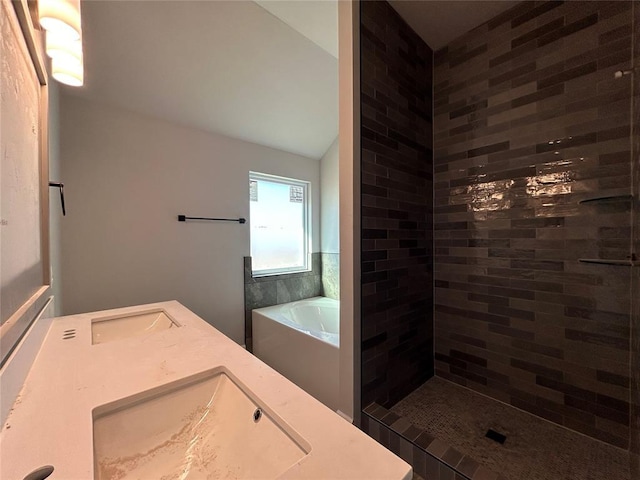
(61, 187)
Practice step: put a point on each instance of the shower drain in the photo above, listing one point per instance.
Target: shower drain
(496, 436)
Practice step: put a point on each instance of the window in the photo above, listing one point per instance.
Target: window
(279, 218)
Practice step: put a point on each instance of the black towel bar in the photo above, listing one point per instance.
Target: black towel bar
(184, 218)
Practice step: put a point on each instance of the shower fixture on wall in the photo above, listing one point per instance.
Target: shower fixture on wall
(624, 73)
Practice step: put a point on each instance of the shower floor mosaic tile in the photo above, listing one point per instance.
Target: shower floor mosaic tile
(534, 449)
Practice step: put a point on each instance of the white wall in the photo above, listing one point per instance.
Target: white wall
(55, 210)
(330, 201)
(349, 83)
(127, 177)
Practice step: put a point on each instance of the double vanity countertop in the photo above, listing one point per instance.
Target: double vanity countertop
(52, 420)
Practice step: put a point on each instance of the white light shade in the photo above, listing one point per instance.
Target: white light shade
(68, 72)
(62, 17)
(68, 51)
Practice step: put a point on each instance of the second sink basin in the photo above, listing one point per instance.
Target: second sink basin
(209, 426)
(115, 328)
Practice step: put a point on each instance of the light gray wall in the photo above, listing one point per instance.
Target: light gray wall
(127, 177)
(55, 210)
(330, 201)
(349, 179)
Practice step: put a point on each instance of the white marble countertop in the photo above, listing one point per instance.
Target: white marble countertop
(51, 420)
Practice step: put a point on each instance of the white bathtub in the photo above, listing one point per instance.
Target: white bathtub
(301, 340)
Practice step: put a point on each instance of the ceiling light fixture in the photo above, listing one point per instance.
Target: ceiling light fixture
(60, 47)
(62, 17)
(63, 40)
(68, 72)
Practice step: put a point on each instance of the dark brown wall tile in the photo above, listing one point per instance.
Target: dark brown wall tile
(525, 130)
(568, 30)
(397, 181)
(533, 13)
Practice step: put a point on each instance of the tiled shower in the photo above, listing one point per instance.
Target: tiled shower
(499, 202)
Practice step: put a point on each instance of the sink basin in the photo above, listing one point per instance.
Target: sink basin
(115, 328)
(209, 426)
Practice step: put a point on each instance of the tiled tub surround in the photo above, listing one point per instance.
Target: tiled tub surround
(276, 289)
(330, 263)
(529, 120)
(396, 197)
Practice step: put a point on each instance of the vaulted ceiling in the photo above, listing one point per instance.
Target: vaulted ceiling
(264, 71)
(229, 67)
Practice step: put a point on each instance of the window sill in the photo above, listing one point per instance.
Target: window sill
(279, 275)
(250, 277)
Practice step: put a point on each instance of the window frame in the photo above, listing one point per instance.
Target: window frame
(306, 221)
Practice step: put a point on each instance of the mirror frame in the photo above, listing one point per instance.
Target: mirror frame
(17, 324)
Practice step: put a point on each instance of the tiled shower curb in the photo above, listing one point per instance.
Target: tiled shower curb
(431, 458)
